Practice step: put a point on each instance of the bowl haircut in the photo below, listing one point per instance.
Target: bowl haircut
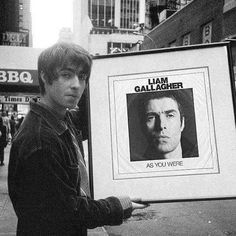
(58, 56)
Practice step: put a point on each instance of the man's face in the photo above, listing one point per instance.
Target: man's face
(163, 124)
(67, 89)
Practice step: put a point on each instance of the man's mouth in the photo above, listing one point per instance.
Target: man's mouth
(163, 136)
(160, 138)
(73, 95)
(155, 136)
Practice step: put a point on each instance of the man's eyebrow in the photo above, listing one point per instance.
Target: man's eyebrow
(73, 70)
(68, 68)
(166, 112)
(150, 113)
(171, 111)
(61, 70)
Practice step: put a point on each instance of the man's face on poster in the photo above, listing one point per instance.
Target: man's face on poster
(163, 124)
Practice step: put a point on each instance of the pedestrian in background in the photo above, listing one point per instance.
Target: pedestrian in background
(47, 177)
(3, 140)
(12, 126)
(6, 122)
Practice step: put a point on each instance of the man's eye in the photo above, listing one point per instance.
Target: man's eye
(150, 118)
(170, 115)
(82, 76)
(66, 75)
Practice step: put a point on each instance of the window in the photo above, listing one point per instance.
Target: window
(114, 47)
(182, 3)
(102, 12)
(129, 14)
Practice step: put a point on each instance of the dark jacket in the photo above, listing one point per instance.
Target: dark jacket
(12, 126)
(44, 181)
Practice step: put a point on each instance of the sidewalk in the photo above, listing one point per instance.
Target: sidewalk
(8, 219)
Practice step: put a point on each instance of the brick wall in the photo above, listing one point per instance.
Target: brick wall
(229, 28)
(190, 19)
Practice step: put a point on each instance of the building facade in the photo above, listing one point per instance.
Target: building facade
(199, 22)
(108, 26)
(25, 19)
(15, 23)
(18, 80)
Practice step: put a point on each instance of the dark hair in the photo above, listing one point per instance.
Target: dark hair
(58, 56)
(173, 94)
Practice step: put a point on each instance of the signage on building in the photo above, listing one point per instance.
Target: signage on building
(18, 77)
(186, 39)
(15, 99)
(14, 38)
(206, 33)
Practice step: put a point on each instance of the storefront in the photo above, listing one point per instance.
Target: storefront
(16, 105)
(18, 79)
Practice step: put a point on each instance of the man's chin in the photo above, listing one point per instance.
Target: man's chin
(162, 149)
(71, 106)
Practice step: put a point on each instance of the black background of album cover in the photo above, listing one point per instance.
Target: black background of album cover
(137, 140)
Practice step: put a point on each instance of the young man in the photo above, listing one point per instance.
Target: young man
(47, 178)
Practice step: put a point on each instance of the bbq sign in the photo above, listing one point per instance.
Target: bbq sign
(18, 77)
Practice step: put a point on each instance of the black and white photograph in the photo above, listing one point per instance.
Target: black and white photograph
(165, 122)
(117, 117)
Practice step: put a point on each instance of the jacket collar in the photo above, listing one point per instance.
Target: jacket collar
(49, 116)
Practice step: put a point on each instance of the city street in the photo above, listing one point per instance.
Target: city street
(7, 215)
(205, 218)
(209, 218)
(151, 86)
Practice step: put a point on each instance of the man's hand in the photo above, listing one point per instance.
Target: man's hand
(137, 204)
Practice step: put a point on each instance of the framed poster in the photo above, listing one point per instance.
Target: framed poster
(163, 124)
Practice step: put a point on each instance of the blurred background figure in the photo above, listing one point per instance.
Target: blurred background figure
(6, 122)
(3, 140)
(12, 126)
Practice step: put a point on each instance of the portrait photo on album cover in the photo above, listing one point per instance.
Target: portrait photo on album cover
(162, 125)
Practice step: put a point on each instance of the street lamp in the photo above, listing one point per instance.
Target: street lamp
(146, 35)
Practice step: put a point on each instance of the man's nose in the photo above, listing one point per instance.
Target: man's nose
(160, 123)
(75, 82)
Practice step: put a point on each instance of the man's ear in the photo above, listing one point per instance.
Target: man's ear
(182, 124)
(42, 75)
